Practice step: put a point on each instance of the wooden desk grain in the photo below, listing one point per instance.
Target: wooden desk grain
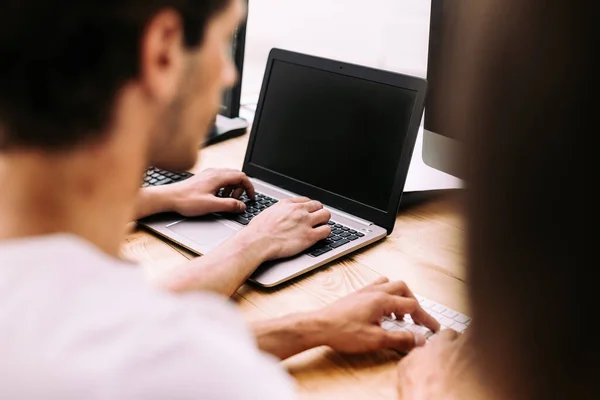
(425, 250)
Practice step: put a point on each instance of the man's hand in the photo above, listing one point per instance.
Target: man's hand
(439, 370)
(283, 230)
(292, 226)
(350, 325)
(353, 323)
(197, 195)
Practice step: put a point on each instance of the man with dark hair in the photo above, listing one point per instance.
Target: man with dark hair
(91, 93)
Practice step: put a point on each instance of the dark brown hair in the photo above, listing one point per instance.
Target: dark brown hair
(62, 63)
(532, 225)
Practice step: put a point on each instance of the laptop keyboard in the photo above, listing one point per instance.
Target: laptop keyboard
(340, 235)
(253, 208)
(159, 177)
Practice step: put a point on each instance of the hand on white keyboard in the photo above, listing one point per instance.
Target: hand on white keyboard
(352, 324)
(447, 318)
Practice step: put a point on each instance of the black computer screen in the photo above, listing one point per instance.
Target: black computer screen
(338, 133)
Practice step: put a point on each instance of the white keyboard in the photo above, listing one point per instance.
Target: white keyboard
(448, 319)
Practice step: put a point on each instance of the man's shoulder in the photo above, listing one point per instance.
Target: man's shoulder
(68, 270)
(96, 314)
(69, 277)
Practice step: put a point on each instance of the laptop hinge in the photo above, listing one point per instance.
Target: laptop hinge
(332, 209)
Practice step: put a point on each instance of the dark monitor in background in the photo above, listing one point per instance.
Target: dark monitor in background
(449, 30)
(228, 123)
(230, 106)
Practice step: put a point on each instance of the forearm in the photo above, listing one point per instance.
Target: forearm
(152, 200)
(287, 336)
(223, 270)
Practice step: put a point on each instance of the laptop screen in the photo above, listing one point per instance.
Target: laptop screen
(341, 134)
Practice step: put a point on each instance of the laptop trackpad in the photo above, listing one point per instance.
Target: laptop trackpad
(208, 232)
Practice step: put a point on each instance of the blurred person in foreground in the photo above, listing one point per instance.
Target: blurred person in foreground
(530, 96)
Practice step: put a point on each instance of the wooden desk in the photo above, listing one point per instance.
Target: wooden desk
(425, 250)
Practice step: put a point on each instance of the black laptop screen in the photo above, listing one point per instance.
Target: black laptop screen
(338, 133)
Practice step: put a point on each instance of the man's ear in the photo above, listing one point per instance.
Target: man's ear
(162, 56)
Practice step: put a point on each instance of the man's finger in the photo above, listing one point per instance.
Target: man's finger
(321, 232)
(375, 284)
(421, 317)
(227, 190)
(399, 288)
(397, 304)
(380, 280)
(237, 193)
(237, 179)
(229, 205)
(249, 188)
(447, 335)
(402, 341)
(298, 199)
(313, 205)
(320, 217)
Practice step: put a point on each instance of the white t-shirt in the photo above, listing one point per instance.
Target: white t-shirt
(78, 324)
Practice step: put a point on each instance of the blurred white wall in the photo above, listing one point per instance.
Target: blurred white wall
(387, 34)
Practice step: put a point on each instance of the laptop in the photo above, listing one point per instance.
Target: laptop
(335, 132)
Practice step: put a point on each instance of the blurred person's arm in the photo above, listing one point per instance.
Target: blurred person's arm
(443, 370)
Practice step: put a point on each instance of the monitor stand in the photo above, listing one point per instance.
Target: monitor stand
(227, 128)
